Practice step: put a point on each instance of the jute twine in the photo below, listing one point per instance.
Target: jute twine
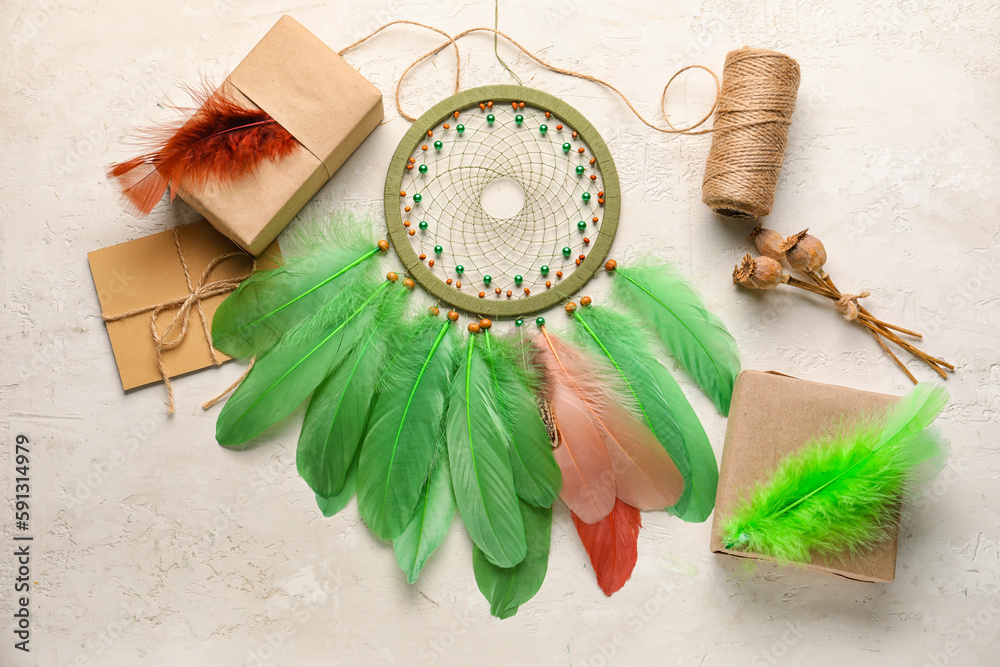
(204, 289)
(752, 117)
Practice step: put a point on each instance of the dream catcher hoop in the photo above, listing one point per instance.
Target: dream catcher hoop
(495, 265)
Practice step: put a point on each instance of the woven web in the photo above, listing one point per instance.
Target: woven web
(451, 201)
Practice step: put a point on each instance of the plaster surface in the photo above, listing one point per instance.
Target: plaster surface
(155, 546)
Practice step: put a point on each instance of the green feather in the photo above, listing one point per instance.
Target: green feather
(430, 521)
(398, 448)
(658, 401)
(840, 493)
(338, 411)
(537, 479)
(288, 373)
(480, 465)
(269, 303)
(695, 337)
(508, 588)
(330, 505)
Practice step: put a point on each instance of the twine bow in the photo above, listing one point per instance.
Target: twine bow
(204, 289)
(847, 304)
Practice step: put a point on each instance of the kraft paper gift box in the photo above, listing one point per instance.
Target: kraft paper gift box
(773, 415)
(148, 271)
(321, 100)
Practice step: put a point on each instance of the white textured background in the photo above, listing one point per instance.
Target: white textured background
(154, 546)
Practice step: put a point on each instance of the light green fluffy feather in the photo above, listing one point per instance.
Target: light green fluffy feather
(840, 494)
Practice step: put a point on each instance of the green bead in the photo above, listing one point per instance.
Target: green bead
(423, 168)
(582, 225)
(487, 279)
(460, 128)
(417, 197)
(580, 169)
(490, 118)
(539, 321)
(438, 144)
(423, 224)
(543, 129)
(459, 269)
(438, 250)
(518, 279)
(518, 322)
(585, 196)
(567, 251)
(545, 269)
(518, 119)
(566, 147)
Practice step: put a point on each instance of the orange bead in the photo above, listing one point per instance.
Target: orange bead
(413, 160)
(391, 277)
(593, 160)
(596, 219)
(430, 262)
(383, 245)
(559, 127)
(574, 134)
(433, 310)
(600, 200)
(527, 291)
(585, 300)
(449, 281)
(509, 294)
(548, 283)
(422, 257)
(520, 105)
(409, 167)
(482, 295)
(407, 209)
(548, 115)
(610, 265)
(570, 307)
(514, 104)
(593, 177)
(583, 257)
(402, 193)
(458, 284)
(578, 262)
(412, 232)
(482, 106)
(498, 291)
(453, 316)
(485, 323)
(446, 126)
(406, 223)
(455, 114)
(558, 274)
(580, 149)
(490, 104)
(601, 193)
(586, 241)
(424, 147)
(473, 328)
(409, 283)
(430, 133)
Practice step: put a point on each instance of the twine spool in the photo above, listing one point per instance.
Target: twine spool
(751, 131)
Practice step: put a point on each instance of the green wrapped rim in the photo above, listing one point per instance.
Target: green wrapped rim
(465, 301)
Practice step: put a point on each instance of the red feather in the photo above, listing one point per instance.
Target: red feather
(221, 142)
(612, 545)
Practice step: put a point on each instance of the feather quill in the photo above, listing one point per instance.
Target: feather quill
(536, 475)
(659, 403)
(430, 521)
(644, 476)
(612, 544)
(221, 142)
(338, 410)
(283, 378)
(508, 588)
(481, 472)
(840, 493)
(695, 337)
(399, 445)
(314, 269)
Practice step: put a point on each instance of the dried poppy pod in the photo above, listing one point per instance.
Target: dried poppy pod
(759, 273)
(805, 253)
(768, 242)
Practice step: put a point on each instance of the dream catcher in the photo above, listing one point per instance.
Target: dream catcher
(421, 419)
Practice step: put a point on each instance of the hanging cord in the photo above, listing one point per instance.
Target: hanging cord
(453, 42)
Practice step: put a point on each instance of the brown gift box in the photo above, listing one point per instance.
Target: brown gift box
(773, 415)
(322, 101)
(147, 272)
